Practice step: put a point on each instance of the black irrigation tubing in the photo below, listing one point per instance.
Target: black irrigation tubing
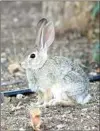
(94, 78)
(16, 92)
(28, 91)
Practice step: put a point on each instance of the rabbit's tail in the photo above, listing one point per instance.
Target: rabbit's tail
(87, 99)
(83, 100)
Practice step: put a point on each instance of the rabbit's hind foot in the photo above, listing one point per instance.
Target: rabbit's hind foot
(52, 102)
(66, 103)
(55, 102)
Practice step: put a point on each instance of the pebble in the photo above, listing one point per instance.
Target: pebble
(85, 109)
(60, 126)
(64, 116)
(21, 129)
(75, 118)
(19, 96)
(93, 128)
(88, 117)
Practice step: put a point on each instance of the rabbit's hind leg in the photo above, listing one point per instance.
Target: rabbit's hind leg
(60, 97)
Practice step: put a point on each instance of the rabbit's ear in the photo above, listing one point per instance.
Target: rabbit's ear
(40, 26)
(48, 35)
(43, 21)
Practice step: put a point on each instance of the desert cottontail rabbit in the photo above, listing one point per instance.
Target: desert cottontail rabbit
(57, 79)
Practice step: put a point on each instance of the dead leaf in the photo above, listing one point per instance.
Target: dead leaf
(35, 116)
(14, 68)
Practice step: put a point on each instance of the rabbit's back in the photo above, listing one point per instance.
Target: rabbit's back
(61, 69)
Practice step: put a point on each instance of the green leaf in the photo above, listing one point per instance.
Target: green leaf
(96, 9)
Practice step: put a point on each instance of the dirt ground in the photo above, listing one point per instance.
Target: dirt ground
(56, 118)
(21, 18)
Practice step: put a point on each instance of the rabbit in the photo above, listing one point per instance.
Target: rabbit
(57, 79)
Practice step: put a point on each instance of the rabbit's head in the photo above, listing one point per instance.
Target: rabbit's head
(44, 39)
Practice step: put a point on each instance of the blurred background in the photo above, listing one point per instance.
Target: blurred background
(76, 26)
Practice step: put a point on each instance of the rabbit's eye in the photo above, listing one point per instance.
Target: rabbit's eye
(32, 56)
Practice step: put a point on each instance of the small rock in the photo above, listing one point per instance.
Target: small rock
(19, 96)
(60, 126)
(21, 129)
(75, 118)
(85, 109)
(64, 116)
(93, 128)
(88, 117)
